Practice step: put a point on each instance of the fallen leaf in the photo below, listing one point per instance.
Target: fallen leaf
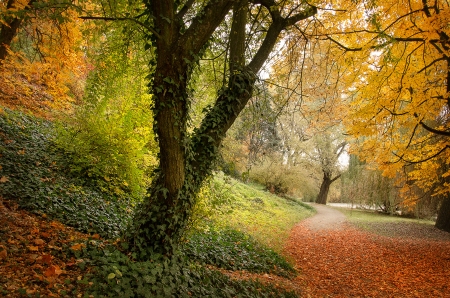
(47, 259)
(30, 291)
(77, 246)
(4, 179)
(33, 248)
(45, 234)
(52, 271)
(39, 241)
(3, 254)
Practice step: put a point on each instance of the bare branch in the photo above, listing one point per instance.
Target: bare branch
(422, 160)
(344, 47)
(435, 131)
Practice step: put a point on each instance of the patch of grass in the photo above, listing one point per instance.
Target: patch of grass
(266, 217)
(355, 215)
(233, 250)
(393, 225)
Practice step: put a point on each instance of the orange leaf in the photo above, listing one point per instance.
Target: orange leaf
(77, 246)
(45, 234)
(47, 259)
(33, 248)
(52, 271)
(39, 242)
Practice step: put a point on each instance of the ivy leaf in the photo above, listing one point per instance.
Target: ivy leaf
(111, 275)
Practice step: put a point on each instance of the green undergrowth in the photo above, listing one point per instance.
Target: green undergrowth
(234, 250)
(37, 175)
(265, 216)
(116, 275)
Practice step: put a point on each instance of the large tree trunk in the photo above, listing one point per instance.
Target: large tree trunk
(325, 187)
(443, 219)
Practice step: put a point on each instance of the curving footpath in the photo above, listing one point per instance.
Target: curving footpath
(336, 259)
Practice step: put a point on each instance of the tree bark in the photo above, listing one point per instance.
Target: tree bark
(443, 219)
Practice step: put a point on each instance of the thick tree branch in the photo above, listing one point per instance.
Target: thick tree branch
(347, 49)
(204, 24)
(336, 178)
(185, 8)
(278, 25)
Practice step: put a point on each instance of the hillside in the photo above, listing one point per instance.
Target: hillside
(61, 233)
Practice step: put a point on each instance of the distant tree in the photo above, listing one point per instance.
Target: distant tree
(327, 150)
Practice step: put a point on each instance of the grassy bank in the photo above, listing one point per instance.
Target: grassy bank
(265, 216)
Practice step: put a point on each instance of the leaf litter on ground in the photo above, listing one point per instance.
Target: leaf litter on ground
(353, 263)
(32, 259)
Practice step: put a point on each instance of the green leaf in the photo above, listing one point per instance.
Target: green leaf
(111, 275)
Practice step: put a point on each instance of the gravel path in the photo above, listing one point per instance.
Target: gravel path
(325, 219)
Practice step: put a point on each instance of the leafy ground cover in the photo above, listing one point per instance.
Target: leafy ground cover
(234, 250)
(40, 256)
(35, 174)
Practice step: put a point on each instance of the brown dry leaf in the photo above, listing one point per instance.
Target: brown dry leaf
(3, 254)
(4, 179)
(39, 241)
(33, 248)
(47, 259)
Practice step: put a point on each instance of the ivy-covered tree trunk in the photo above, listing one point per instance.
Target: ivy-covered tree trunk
(186, 159)
(443, 219)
